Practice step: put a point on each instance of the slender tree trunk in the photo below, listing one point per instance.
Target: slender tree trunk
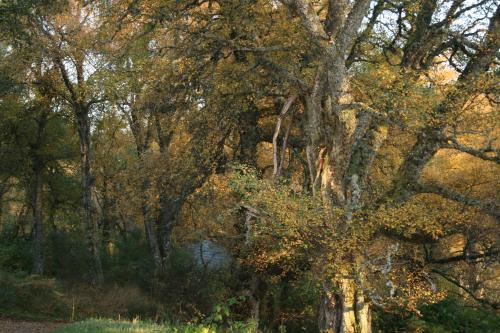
(169, 210)
(96, 273)
(36, 204)
(249, 136)
(169, 207)
(142, 141)
(106, 219)
(2, 193)
(151, 238)
(1, 209)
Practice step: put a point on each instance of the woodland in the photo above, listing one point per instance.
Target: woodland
(251, 165)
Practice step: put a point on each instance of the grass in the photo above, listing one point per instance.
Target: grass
(120, 326)
(116, 326)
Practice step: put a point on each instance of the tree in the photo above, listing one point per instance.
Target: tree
(64, 34)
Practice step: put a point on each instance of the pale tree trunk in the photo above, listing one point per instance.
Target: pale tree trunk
(344, 311)
(344, 307)
(83, 120)
(331, 146)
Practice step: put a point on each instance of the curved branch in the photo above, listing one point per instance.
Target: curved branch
(488, 153)
(494, 305)
(492, 208)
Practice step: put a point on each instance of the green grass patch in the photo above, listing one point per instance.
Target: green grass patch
(117, 326)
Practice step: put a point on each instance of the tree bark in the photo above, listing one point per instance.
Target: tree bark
(250, 135)
(169, 210)
(38, 235)
(344, 311)
(335, 172)
(83, 121)
(151, 235)
(142, 144)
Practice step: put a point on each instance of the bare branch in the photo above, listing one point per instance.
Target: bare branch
(494, 305)
(286, 107)
(492, 208)
(487, 153)
(465, 257)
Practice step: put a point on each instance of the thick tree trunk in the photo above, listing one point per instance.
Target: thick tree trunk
(342, 168)
(36, 205)
(83, 120)
(344, 311)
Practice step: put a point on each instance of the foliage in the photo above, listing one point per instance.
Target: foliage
(448, 316)
(343, 155)
(31, 297)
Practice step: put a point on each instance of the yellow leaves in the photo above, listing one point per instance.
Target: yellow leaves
(425, 215)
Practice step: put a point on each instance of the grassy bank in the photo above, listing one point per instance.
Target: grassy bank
(115, 326)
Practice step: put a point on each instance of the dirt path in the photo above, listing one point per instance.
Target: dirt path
(20, 326)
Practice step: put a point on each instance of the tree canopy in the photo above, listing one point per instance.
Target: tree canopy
(346, 150)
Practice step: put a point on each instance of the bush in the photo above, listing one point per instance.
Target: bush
(22, 295)
(15, 252)
(447, 316)
(66, 255)
(130, 261)
(199, 288)
(116, 301)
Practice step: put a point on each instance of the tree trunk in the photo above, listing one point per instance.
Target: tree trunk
(342, 167)
(106, 218)
(36, 205)
(151, 236)
(142, 139)
(83, 120)
(169, 209)
(249, 136)
(344, 311)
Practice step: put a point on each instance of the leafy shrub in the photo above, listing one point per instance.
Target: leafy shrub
(31, 296)
(15, 252)
(447, 316)
(199, 288)
(129, 262)
(66, 255)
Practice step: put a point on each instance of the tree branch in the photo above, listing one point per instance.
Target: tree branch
(487, 153)
(286, 107)
(494, 305)
(490, 208)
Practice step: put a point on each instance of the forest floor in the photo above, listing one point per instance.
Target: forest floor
(22, 326)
